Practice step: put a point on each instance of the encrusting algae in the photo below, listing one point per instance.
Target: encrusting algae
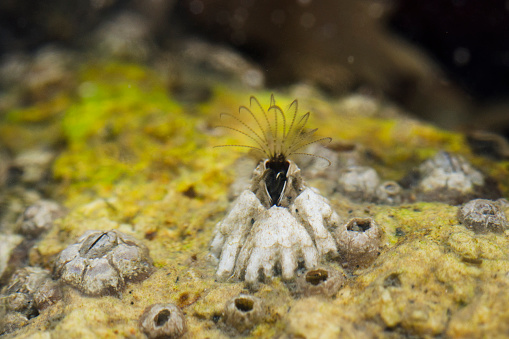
(134, 160)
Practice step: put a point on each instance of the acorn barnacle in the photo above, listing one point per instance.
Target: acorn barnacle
(278, 222)
(102, 263)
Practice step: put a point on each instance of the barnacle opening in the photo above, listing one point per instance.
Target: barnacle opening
(391, 187)
(244, 304)
(315, 277)
(162, 318)
(98, 245)
(359, 225)
(275, 179)
(392, 280)
(487, 209)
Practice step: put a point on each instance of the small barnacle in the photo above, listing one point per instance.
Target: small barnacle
(243, 312)
(482, 216)
(321, 281)
(389, 192)
(160, 321)
(359, 182)
(279, 221)
(29, 291)
(451, 179)
(39, 217)
(359, 242)
(103, 262)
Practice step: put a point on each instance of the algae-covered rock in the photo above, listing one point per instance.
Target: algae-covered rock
(129, 157)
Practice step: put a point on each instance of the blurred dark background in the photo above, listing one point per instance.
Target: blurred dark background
(444, 61)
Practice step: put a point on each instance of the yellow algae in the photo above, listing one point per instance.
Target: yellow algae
(136, 160)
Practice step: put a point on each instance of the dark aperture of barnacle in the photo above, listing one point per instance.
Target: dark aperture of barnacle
(242, 313)
(276, 137)
(320, 281)
(163, 321)
(275, 178)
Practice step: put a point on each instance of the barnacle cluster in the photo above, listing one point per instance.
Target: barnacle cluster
(445, 177)
(279, 223)
(29, 291)
(101, 263)
(448, 178)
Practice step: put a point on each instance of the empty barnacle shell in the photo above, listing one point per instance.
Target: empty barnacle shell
(39, 217)
(359, 242)
(358, 182)
(320, 281)
(103, 262)
(243, 312)
(163, 321)
(482, 216)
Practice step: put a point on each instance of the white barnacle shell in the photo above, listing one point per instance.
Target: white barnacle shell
(452, 179)
(255, 239)
(278, 223)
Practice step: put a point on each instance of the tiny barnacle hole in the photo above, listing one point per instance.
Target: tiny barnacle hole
(244, 304)
(391, 187)
(323, 281)
(359, 225)
(243, 313)
(316, 277)
(162, 318)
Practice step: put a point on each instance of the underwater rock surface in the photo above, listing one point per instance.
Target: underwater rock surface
(139, 162)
